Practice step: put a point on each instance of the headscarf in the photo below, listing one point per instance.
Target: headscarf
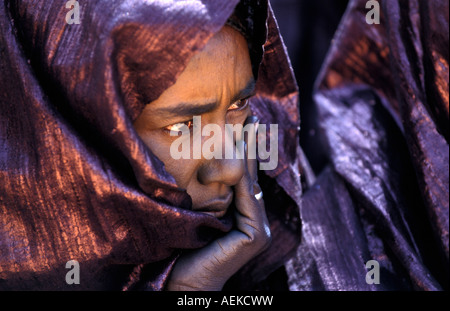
(77, 182)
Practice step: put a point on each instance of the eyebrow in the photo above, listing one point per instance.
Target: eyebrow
(247, 91)
(189, 109)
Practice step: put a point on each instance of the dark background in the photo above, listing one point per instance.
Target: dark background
(307, 28)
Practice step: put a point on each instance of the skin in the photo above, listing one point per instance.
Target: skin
(215, 85)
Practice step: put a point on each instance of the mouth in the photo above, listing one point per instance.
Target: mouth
(216, 207)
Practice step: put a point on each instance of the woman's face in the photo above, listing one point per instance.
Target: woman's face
(215, 85)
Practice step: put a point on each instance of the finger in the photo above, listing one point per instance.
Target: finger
(258, 194)
(250, 140)
(246, 202)
(251, 218)
(252, 162)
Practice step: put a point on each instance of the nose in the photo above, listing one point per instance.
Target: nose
(224, 171)
(227, 170)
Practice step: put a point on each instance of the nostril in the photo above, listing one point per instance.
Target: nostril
(233, 171)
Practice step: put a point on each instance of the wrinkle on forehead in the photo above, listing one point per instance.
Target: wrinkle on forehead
(226, 59)
(215, 74)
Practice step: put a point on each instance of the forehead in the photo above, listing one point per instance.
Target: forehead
(221, 69)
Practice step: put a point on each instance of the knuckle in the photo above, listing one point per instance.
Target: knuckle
(259, 237)
(266, 238)
(269, 239)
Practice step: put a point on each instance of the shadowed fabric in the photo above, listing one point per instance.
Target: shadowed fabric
(76, 181)
(382, 98)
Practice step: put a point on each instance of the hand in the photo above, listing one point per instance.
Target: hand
(210, 267)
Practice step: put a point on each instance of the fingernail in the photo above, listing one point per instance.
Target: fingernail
(256, 188)
(251, 119)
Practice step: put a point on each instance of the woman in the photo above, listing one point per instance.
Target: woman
(86, 174)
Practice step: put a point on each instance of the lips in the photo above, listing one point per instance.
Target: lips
(216, 207)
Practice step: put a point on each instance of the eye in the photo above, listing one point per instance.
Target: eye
(240, 104)
(178, 127)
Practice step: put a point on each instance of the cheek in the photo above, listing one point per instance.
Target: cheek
(182, 170)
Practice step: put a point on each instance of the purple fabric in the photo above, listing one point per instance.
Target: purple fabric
(382, 98)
